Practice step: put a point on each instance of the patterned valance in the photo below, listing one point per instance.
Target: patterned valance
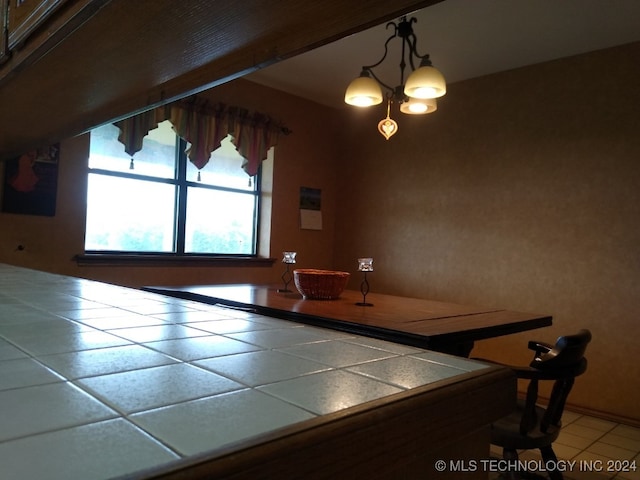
(204, 125)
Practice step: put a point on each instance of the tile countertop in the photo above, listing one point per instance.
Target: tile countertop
(92, 372)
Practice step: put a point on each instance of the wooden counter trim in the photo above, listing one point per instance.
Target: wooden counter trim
(399, 436)
(135, 260)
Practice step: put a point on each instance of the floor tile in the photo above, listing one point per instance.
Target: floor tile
(601, 449)
(187, 317)
(576, 441)
(626, 431)
(201, 425)
(405, 372)
(280, 337)
(25, 372)
(566, 452)
(337, 353)
(156, 387)
(591, 466)
(79, 304)
(85, 452)
(155, 307)
(396, 348)
(25, 315)
(629, 471)
(69, 342)
(73, 303)
(156, 333)
(55, 326)
(461, 363)
(621, 441)
(125, 321)
(9, 352)
(102, 361)
(611, 451)
(104, 312)
(328, 334)
(133, 298)
(261, 367)
(330, 391)
(531, 455)
(585, 432)
(198, 348)
(595, 423)
(273, 322)
(569, 417)
(230, 325)
(47, 407)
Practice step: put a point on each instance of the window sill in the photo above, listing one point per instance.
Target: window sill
(133, 260)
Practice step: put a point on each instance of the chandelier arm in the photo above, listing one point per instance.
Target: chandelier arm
(413, 46)
(368, 69)
(386, 47)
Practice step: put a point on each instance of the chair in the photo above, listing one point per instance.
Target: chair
(532, 426)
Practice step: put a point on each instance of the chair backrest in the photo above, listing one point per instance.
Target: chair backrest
(567, 352)
(562, 363)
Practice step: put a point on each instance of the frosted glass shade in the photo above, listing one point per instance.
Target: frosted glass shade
(364, 91)
(425, 82)
(419, 106)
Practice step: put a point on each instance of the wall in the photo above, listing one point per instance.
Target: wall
(522, 191)
(507, 196)
(303, 158)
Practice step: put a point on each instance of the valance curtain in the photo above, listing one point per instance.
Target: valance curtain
(204, 125)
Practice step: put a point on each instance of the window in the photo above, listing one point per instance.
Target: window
(159, 203)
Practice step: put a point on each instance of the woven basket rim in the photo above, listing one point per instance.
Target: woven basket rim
(318, 284)
(316, 271)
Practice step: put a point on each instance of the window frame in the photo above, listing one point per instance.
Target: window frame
(179, 257)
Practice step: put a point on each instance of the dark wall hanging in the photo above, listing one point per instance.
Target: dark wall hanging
(31, 182)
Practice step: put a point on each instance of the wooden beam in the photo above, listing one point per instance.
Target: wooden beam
(123, 57)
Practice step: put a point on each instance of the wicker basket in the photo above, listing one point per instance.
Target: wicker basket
(316, 284)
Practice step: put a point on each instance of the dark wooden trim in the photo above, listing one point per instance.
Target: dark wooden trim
(4, 11)
(115, 58)
(396, 437)
(135, 260)
(24, 19)
(64, 19)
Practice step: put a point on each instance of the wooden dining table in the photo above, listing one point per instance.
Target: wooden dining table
(441, 326)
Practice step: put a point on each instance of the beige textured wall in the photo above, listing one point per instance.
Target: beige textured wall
(304, 158)
(507, 196)
(522, 191)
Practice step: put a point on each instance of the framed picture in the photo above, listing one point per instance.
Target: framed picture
(31, 182)
(310, 208)
(4, 11)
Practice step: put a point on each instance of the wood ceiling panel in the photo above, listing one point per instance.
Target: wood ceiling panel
(130, 56)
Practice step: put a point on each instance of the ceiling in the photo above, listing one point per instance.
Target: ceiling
(465, 39)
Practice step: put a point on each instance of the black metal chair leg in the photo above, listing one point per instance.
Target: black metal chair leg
(550, 459)
(511, 455)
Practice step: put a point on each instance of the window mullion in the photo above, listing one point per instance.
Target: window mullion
(181, 195)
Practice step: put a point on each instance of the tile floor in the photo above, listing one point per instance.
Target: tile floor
(607, 446)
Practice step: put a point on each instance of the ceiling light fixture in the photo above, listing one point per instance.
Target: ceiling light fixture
(417, 96)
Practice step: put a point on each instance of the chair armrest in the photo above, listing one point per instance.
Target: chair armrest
(539, 347)
(520, 371)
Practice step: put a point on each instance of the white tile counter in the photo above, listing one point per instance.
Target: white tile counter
(99, 381)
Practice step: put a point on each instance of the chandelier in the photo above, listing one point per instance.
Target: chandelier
(416, 96)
